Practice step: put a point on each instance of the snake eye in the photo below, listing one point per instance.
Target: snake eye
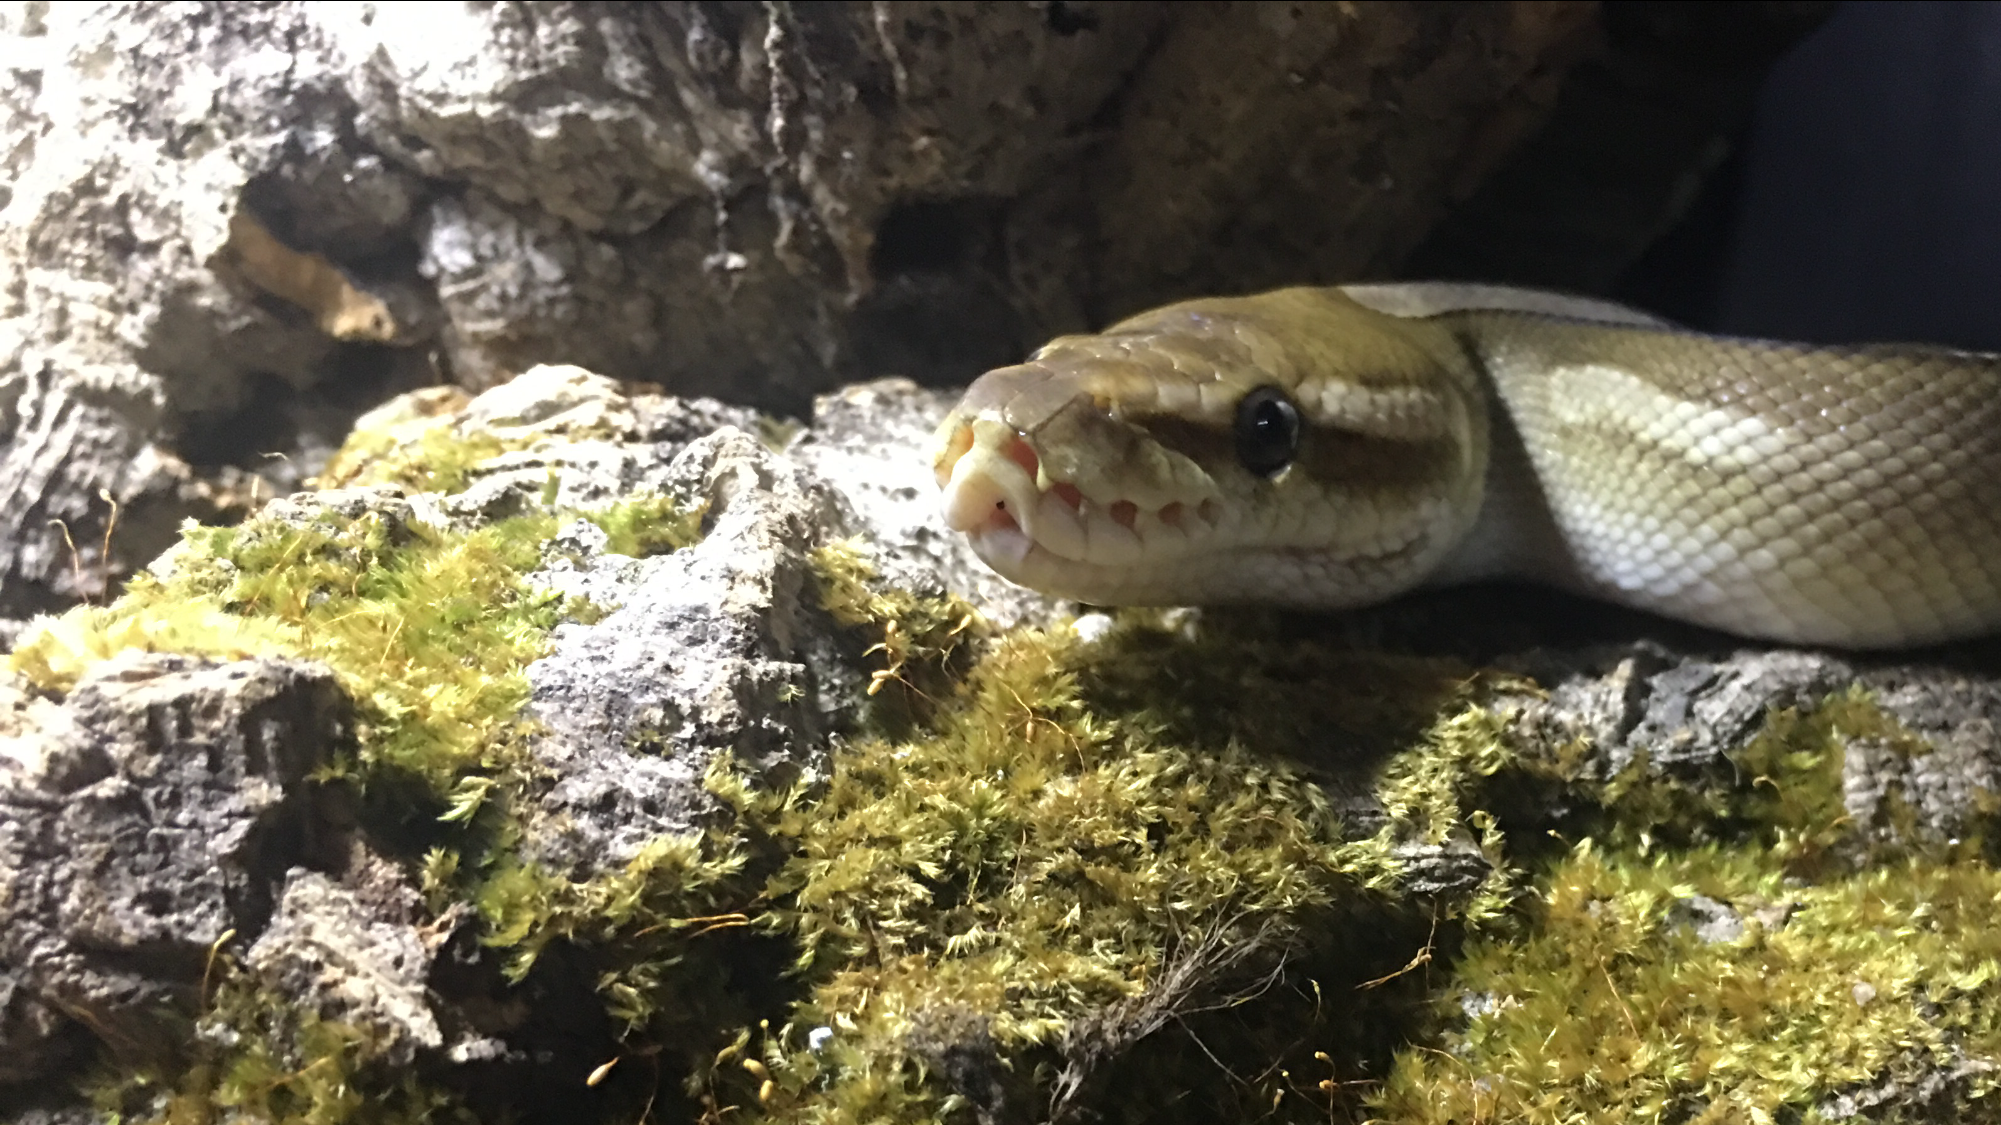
(1267, 431)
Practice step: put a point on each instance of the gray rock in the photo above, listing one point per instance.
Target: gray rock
(1448, 871)
(1686, 711)
(133, 133)
(585, 433)
(1713, 922)
(344, 957)
(720, 648)
(1946, 789)
(713, 649)
(1927, 1090)
(149, 819)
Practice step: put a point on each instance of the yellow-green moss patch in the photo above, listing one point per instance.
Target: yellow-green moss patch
(1608, 1011)
(1863, 953)
(258, 1060)
(1049, 842)
(430, 632)
(420, 453)
(918, 636)
(1783, 792)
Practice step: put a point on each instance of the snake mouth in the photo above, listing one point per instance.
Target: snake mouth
(999, 492)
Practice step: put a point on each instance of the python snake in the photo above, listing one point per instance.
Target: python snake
(1333, 447)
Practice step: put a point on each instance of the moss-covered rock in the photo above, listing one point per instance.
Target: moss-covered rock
(710, 800)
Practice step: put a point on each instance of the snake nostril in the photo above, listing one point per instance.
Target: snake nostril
(955, 447)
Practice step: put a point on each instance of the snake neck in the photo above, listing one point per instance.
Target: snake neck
(1475, 332)
(1512, 535)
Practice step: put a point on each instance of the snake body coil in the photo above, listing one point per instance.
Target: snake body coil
(1334, 447)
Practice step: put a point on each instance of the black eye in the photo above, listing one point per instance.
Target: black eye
(1267, 431)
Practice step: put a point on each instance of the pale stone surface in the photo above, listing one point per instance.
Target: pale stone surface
(753, 202)
(357, 961)
(154, 819)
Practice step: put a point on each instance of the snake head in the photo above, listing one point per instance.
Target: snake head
(1207, 452)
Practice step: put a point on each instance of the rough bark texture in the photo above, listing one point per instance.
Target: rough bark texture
(146, 821)
(232, 227)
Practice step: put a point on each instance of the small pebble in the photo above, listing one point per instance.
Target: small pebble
(1092, 627)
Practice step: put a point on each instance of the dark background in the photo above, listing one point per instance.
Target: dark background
(1864, 202)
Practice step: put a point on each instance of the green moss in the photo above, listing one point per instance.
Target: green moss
(435, 456)
(648, 525)
(921, 642)
(1056, 840)
(1867, 952)
(1783, 790)
(429, 631)
(1609, 1012)
(56, 651)
(254, 1060)
(673, 884)
(1796, 766)
(1425, 790)
(1037, 851)
(912, 627)
(1029, 864)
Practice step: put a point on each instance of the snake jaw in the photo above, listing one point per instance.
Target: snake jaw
(1021, 518)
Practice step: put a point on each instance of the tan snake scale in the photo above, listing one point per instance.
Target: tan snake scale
(1334, 447)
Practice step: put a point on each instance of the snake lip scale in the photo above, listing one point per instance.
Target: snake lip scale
(1333, 447)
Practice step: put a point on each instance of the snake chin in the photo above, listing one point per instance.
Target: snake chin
(1017, 557)
(1001, 547)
